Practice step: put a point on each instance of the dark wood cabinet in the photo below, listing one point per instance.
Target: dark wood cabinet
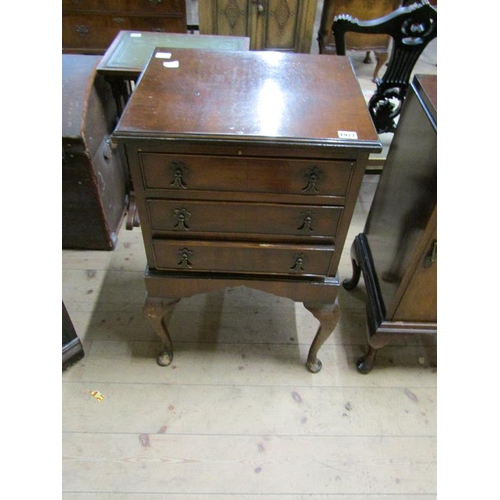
(246, 169)
(285, 25)
(89, 26)
(94, 173)
(397, 251)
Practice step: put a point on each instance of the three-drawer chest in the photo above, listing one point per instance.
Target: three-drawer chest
(246, 166)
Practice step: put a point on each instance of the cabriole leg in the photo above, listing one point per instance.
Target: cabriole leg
(328, 316)
(155, 310)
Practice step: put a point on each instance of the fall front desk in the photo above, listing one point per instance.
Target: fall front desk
(246, 167)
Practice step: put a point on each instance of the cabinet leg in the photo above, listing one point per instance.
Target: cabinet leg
(155, 309)
(328, 316)
(356, 270)
(366, 362)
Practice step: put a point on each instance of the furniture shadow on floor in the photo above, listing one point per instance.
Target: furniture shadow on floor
(226, 322)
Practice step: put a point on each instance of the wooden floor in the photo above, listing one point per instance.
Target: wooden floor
(237, 415)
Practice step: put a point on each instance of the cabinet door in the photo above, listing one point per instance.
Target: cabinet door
(225, 17)
(286, 24)
(271, 24)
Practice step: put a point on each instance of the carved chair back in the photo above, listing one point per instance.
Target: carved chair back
(411, 27)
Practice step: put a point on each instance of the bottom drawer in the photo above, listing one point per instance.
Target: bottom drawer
(195, 256)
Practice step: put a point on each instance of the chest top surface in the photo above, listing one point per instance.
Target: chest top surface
(254, 96)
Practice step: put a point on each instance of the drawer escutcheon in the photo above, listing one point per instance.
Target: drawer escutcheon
(179, 172)
(181, 216)
(185, 254)
(306, 221)
(313, 175)
(299, 261)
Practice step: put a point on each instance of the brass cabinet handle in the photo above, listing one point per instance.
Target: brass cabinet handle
(260, 6)
(431, 257)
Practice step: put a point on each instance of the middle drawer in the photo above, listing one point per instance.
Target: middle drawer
(185, 216)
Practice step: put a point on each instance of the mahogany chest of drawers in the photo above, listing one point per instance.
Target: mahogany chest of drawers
(247, 166)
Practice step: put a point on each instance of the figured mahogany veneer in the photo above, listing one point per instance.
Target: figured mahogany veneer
(247, 166)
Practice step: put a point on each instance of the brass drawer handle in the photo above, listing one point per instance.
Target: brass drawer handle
(299, 261)
(156, 2)
(179, 172)
(306, 221)
(181, 216)
(313, 176)
(185, 254)
(82, 30)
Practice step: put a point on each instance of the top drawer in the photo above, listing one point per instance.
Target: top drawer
(164, 7)
(244, 174)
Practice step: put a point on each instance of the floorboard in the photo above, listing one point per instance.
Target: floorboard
(237, 415)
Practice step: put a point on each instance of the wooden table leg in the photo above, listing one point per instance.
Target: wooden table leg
(155, 309)
(328, 316)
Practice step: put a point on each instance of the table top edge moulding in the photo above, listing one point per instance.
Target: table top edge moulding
(276, 110)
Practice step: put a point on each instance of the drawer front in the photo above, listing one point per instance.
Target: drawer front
(163, 7)
(160, 7)
(195, 256)
(97, 31)
(184, 216)
(83, 5)
(82, 31)
(256, 175)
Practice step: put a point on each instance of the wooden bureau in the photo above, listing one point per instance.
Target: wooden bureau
(247, 166)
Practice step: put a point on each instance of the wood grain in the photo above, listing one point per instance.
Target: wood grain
(236, 415)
